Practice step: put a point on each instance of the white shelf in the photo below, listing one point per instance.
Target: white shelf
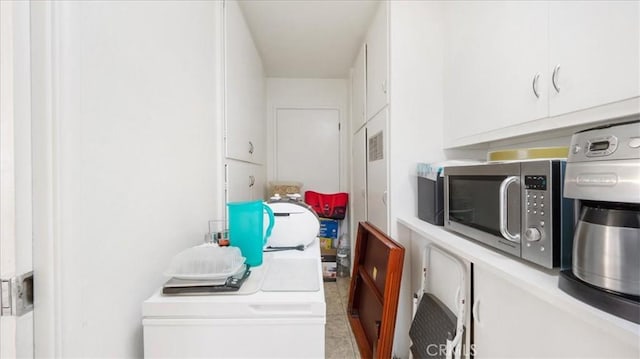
(538, 281)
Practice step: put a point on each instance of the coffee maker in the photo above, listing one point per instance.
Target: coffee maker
(603, 176)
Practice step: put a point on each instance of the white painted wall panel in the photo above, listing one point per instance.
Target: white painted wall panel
(137, 166)
(415, 123)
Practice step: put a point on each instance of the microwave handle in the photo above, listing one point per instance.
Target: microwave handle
(504, 186)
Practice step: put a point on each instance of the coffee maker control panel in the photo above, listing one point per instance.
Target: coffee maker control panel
(613, 142)
(603, 164)
(602, 146)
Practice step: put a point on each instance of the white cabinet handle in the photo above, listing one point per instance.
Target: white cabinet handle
(554, 78)
(384, 86)
(474, 311)
(252, 181)
(535, 85)
(251, 148)
(384, 197)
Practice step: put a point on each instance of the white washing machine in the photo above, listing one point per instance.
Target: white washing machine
(279, 312)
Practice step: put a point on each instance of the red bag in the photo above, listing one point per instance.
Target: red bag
(332, 206)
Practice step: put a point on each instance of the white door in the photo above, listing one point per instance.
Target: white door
(16, 320)
(377, 165)
(308, 148)
(358, 90)
(359, 170)
(377, 64)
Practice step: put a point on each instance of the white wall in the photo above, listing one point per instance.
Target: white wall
(128, 158)
(309, 93)
(415, 123)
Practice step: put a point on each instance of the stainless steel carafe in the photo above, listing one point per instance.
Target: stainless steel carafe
(606, 247)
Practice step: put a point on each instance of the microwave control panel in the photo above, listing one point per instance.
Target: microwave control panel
(537, 187)
(537, 200)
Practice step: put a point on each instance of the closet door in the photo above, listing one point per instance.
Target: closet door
(377, 167)
(377, 62)
(308, 148)
(359, 179)
(358, 91)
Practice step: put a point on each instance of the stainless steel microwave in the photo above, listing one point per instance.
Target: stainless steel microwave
(515, 207)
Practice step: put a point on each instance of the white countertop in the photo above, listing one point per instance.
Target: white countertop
(540, 282)
(259, 304)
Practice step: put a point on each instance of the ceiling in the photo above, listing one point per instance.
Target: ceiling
(308, 38)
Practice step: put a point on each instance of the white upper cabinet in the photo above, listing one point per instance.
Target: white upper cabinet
(594, 50)
(508, 63)
(495, 62)
(359, 88)
(245, 91)
(377, 62)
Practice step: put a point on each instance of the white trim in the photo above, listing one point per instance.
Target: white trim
(8, 325)
(45, 27)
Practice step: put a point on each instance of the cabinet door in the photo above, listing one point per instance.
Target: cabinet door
(241, 181)
(245, 106)
(494, 51)
(377, 61)
(511, 322)
(377, 165)
(596, 46)
(358, 91)
(359, 171)
(258, 189)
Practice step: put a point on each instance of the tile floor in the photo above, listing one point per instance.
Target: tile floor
(339, 341)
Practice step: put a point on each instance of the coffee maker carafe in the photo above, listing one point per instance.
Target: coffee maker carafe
(603, 175)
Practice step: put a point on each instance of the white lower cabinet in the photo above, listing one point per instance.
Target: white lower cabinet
(510, 322)
(377, 168)
(244, 181)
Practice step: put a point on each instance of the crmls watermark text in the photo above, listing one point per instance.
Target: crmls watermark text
(440, 350)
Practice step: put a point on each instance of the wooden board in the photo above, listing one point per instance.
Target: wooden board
(374, 291)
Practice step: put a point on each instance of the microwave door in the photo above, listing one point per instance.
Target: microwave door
(484, 207)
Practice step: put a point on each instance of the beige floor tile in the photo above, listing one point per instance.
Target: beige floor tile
(342, 285)
(339, 339)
